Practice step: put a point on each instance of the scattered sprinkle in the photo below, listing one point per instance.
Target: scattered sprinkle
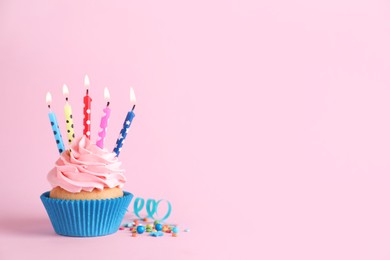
(158, 227)
(175, 230)
(165, 228)
(140, 229)
(157, 234)
(155, 229)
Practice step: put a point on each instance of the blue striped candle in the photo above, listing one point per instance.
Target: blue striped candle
(126, 125)
(123, 132)
(54, 126)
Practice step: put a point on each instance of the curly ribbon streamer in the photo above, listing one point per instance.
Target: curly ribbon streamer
(151, 208)
(137, 207)
(168, 211)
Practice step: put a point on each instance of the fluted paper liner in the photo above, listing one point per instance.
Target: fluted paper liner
(86, 218)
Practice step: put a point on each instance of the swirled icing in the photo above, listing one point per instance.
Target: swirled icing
(85, 166)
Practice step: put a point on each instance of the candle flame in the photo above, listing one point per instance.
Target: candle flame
(48, 98)
(65, 90)
(132, 96)
(86, 81)
(106, 94)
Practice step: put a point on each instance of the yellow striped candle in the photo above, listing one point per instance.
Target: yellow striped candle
(68, 115)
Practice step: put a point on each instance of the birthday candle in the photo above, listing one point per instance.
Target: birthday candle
(54, 126)
(126, 125)
(87, 110)
(68, 115)
(104, 121)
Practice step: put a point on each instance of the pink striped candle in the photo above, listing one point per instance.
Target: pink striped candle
(104, 121)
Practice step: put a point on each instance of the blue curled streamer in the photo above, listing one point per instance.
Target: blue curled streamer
(137, 208)
(168, 211)
(151, 208)
(151, 211)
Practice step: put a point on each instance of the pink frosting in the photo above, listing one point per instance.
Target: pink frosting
(86, 167)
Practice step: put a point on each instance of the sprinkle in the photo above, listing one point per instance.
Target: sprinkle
(121, 228)
(157, 234)
(133, 234)
(165, 228)
(174, 234)
(140, 229)
(146, 219)
(158, 227)
(187, 230)
(175, 230)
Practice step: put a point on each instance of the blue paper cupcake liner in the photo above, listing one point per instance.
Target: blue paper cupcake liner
(86, 218)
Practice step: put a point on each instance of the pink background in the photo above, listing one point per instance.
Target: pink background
(265, 123)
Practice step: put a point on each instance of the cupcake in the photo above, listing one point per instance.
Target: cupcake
(86, 197)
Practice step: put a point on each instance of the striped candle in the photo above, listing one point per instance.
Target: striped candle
(68, 115)
(123, 133)
(54, 126)
(104, 121)
(126, 125)
(87, 110)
